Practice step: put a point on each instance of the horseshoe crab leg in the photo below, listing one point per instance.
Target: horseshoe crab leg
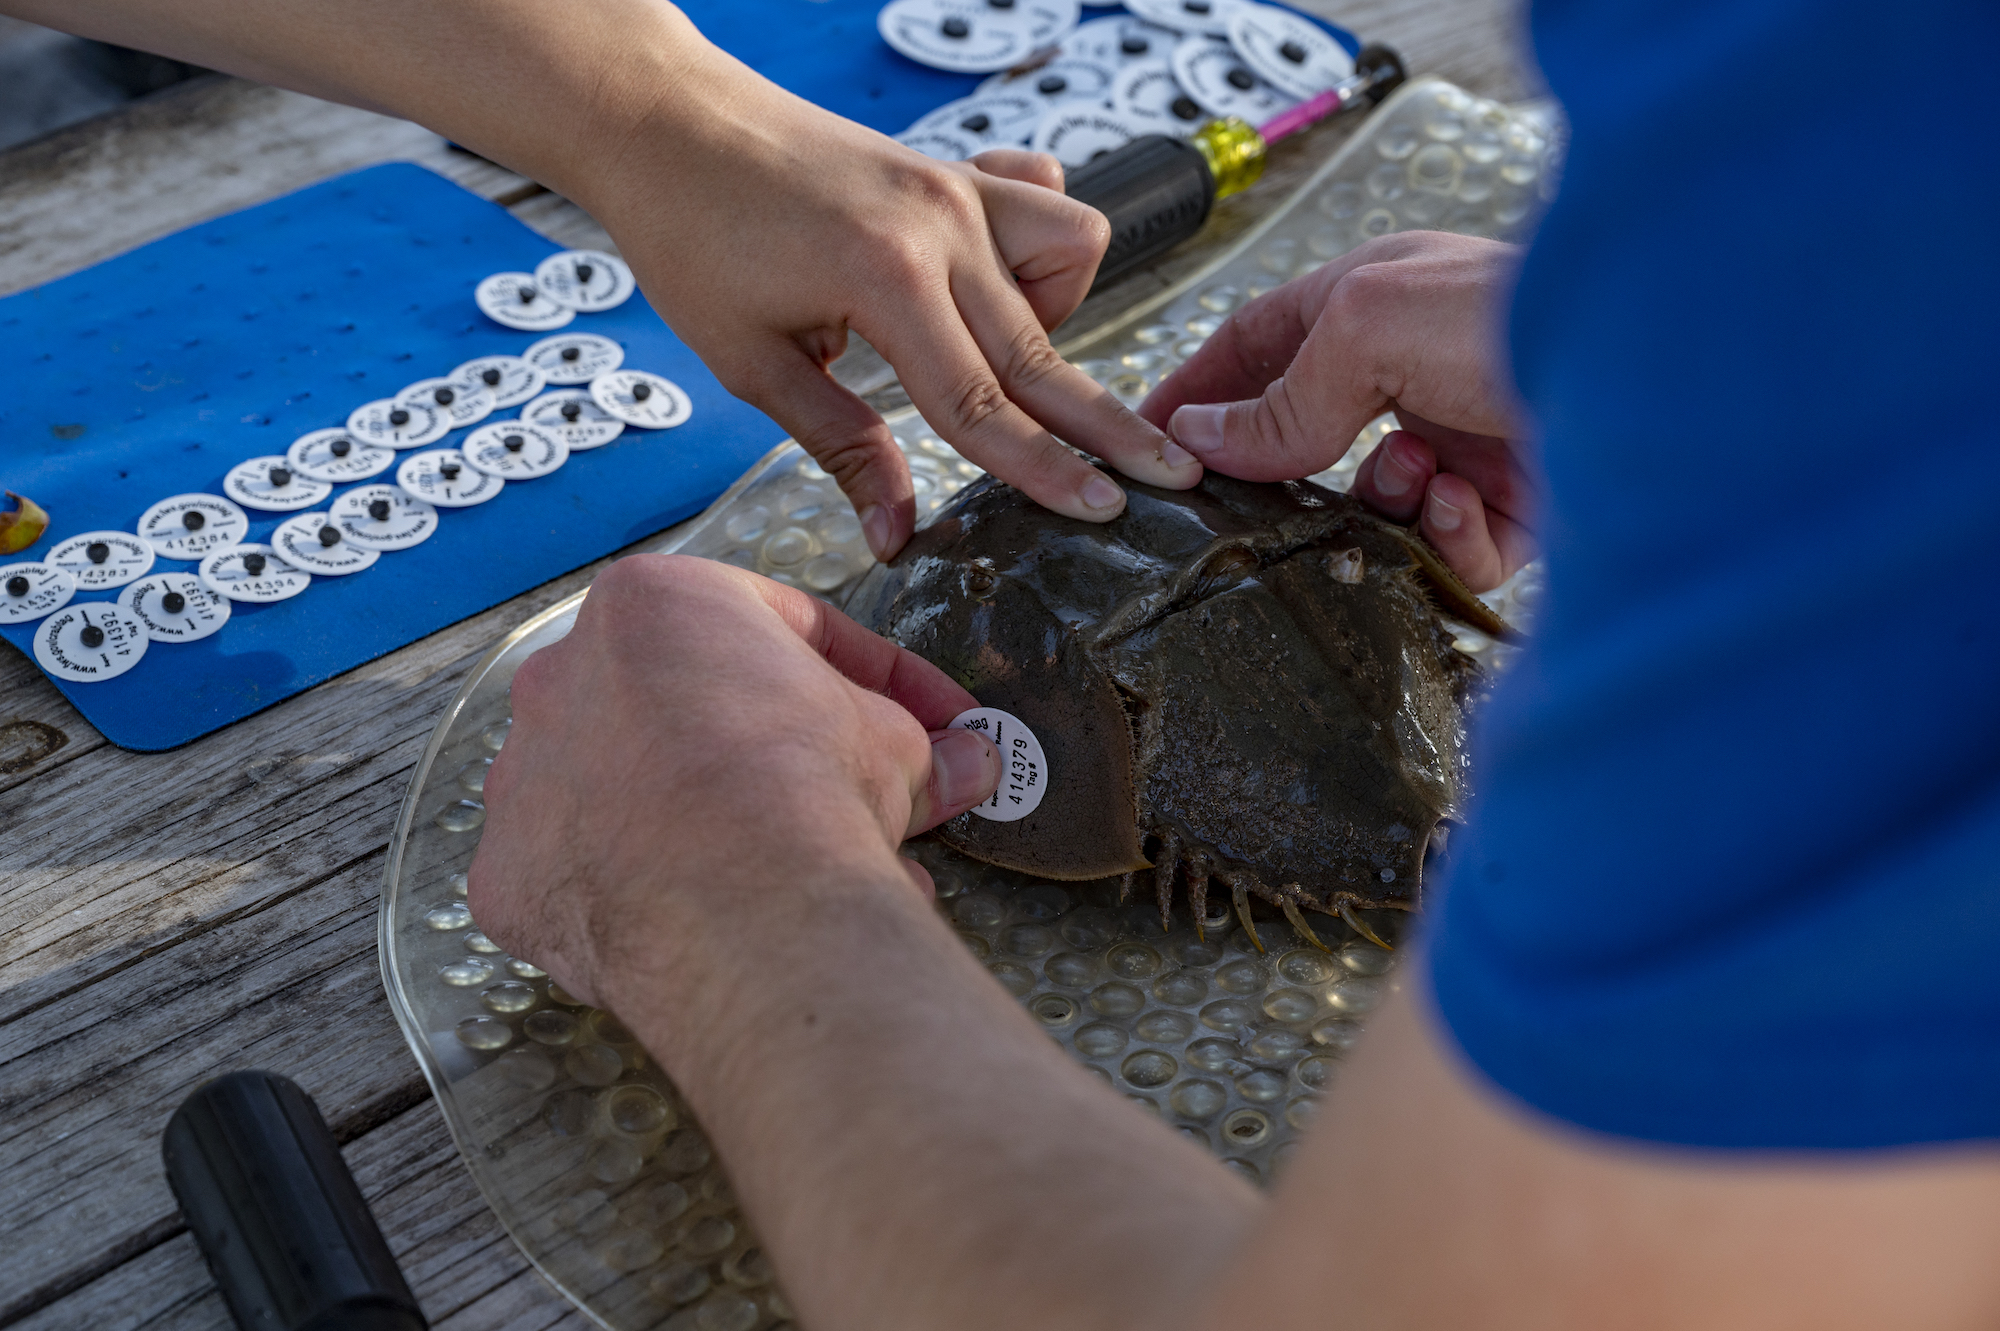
(1239, 893)
(1354, 922)
(1166, 861)
(1298, 922)
(1198, 867)
(1453, 596)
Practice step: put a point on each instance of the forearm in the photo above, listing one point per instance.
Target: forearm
(553, 91)
(912, 1149)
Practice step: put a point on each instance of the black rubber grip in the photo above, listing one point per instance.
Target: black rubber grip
(1383, 69)
(278, 1217)
(1156, 191)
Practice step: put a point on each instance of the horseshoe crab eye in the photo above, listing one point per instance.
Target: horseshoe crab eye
(980, 578)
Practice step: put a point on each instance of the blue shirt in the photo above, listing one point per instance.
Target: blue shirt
(1733, 873)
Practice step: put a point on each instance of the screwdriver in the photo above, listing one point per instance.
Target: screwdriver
(1158, 190)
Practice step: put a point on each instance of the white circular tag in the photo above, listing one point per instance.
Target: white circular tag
(962, 36)
(89, 642)
(1148, 94)
(29, 591)
(252, 573)
(384, 518)
(640, 398)
(585, 280)
(274, 485)
(189, 526)
(514, 299)
(515, 450)
(573, 414)
(574, 358)
(388, 423)
(463, 404)
(337, 456)
(100, 559)
(1121, 40)
(1215, 76)
(443, 477)
(510, 379)
(316, 543)
(1064, 81)
(1209, 18)
(1080, 135)
(175, 607)
(1047, 21)
(1295, 56)
(989, 121)
(1024, 771)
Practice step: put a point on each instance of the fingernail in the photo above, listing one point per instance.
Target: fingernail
(875, 527)
(1198, 426)
(967, 767)
(1174, 455)
(1443, 516)
(1101, 494)
(1393, 476)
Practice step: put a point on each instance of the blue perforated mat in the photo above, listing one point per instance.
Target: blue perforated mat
(153, 373)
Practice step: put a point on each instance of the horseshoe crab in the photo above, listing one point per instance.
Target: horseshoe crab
(1250, 684)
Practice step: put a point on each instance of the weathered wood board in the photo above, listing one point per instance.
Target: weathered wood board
(165, 918)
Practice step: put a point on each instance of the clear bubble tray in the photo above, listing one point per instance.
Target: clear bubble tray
(580, 1142)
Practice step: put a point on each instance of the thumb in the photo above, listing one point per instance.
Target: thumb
(1279, 436)
(965, 767)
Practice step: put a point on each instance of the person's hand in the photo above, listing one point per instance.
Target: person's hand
(705, 733)
(782, 227)
(761, 227)
(1410, 323)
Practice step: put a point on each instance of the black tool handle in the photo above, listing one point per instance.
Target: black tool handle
(1383, 69)
(1156, 191)
(280, 1220)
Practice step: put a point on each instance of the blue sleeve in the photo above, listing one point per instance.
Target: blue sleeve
(1732, 877)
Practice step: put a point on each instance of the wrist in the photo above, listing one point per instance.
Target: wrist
(712, 964)
(574, 97)
(688, 125)
(650, 86)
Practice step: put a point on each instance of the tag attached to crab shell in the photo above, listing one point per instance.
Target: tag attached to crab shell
(1024, 768)
(1085, 824)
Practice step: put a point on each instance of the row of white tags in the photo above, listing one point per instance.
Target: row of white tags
(1168, 67)
(592, 401)
(99, 640)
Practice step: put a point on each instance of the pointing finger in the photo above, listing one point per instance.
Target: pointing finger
(867, 659)
(1061, 397)
(952, 384)
(842, 433)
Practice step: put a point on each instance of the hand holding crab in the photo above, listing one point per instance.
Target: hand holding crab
(1407, 323)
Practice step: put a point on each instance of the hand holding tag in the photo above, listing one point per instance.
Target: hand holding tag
(1024, 770)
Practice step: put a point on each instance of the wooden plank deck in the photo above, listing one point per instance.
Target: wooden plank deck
(168, 917)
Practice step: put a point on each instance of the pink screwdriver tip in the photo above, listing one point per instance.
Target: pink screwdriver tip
(1305, 114)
